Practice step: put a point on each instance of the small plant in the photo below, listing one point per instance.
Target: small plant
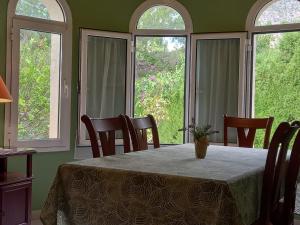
(199, 132)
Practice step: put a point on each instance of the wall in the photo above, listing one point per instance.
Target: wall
(112, 15)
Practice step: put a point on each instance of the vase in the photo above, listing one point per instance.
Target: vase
(201, 147)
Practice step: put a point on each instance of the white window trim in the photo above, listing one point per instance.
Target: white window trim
(176, 33)
(252, 29)
(242, 100)
(14, 24)
(85, 33)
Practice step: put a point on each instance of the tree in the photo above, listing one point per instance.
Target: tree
(277, 78)
(34, 76)
(160, 73)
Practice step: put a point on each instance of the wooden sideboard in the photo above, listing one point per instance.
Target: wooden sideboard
(15, 189)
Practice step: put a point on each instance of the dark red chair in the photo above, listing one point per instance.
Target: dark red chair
(250, 125)
(105, 130)
(284, 207)
(138, 131)
(276, 158)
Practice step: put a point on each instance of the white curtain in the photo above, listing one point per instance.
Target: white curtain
(106, 76)
(217, 82)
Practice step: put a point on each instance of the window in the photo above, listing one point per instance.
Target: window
(40, 76)
(161, 17)
(161, 35)
(42, 9)
(105, 76)
(218, 61)
(274, 27)
(279, 12)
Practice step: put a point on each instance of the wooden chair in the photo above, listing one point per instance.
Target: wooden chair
(138, 132)
(106, 129)
(250, 125)
(283, 208)
(275, 159)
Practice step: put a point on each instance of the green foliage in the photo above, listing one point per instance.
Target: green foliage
(159, 87)
(199, 131)
(277, 80)
(34, 85)
(33, 8)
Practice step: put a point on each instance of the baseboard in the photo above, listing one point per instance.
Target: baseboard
(35, 215)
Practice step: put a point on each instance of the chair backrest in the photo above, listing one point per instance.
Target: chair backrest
(246, 139)
(106, 129)
(275, 159)
(138, 131)
(279, 176)
(287, 208)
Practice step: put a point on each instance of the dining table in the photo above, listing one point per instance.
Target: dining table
(163, 186)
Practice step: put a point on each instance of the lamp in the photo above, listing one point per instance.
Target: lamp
(5, 97)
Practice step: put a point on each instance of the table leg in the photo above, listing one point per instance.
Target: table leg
(3, 168)
(29, 165)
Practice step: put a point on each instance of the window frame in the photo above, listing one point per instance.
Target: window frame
(166, 33)
(252, 31)
(85, 33)
(14, 24)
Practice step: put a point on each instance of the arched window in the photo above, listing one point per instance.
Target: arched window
(266, 15)
(161, 17)
(279, 12)
(39, 74)
(161, 30)
(43, 9)
(274, 31)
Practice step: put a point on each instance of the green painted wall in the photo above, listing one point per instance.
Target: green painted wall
(112, 15)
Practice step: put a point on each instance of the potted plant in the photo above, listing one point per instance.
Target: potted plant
(200, 134)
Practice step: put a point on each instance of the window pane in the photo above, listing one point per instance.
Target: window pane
(161, 17)
(277, 78)
(217, 80)
(106, 76)
(39, 85)
(279, 12)
(46, 9)
(159, 84)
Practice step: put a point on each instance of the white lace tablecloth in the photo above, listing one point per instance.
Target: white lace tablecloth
(159, 187)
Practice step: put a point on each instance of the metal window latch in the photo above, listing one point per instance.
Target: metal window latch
(66, 89)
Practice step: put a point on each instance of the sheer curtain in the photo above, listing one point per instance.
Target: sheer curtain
(106, 76)
(217, 83)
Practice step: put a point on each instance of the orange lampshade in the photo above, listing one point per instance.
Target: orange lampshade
(4, 94)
